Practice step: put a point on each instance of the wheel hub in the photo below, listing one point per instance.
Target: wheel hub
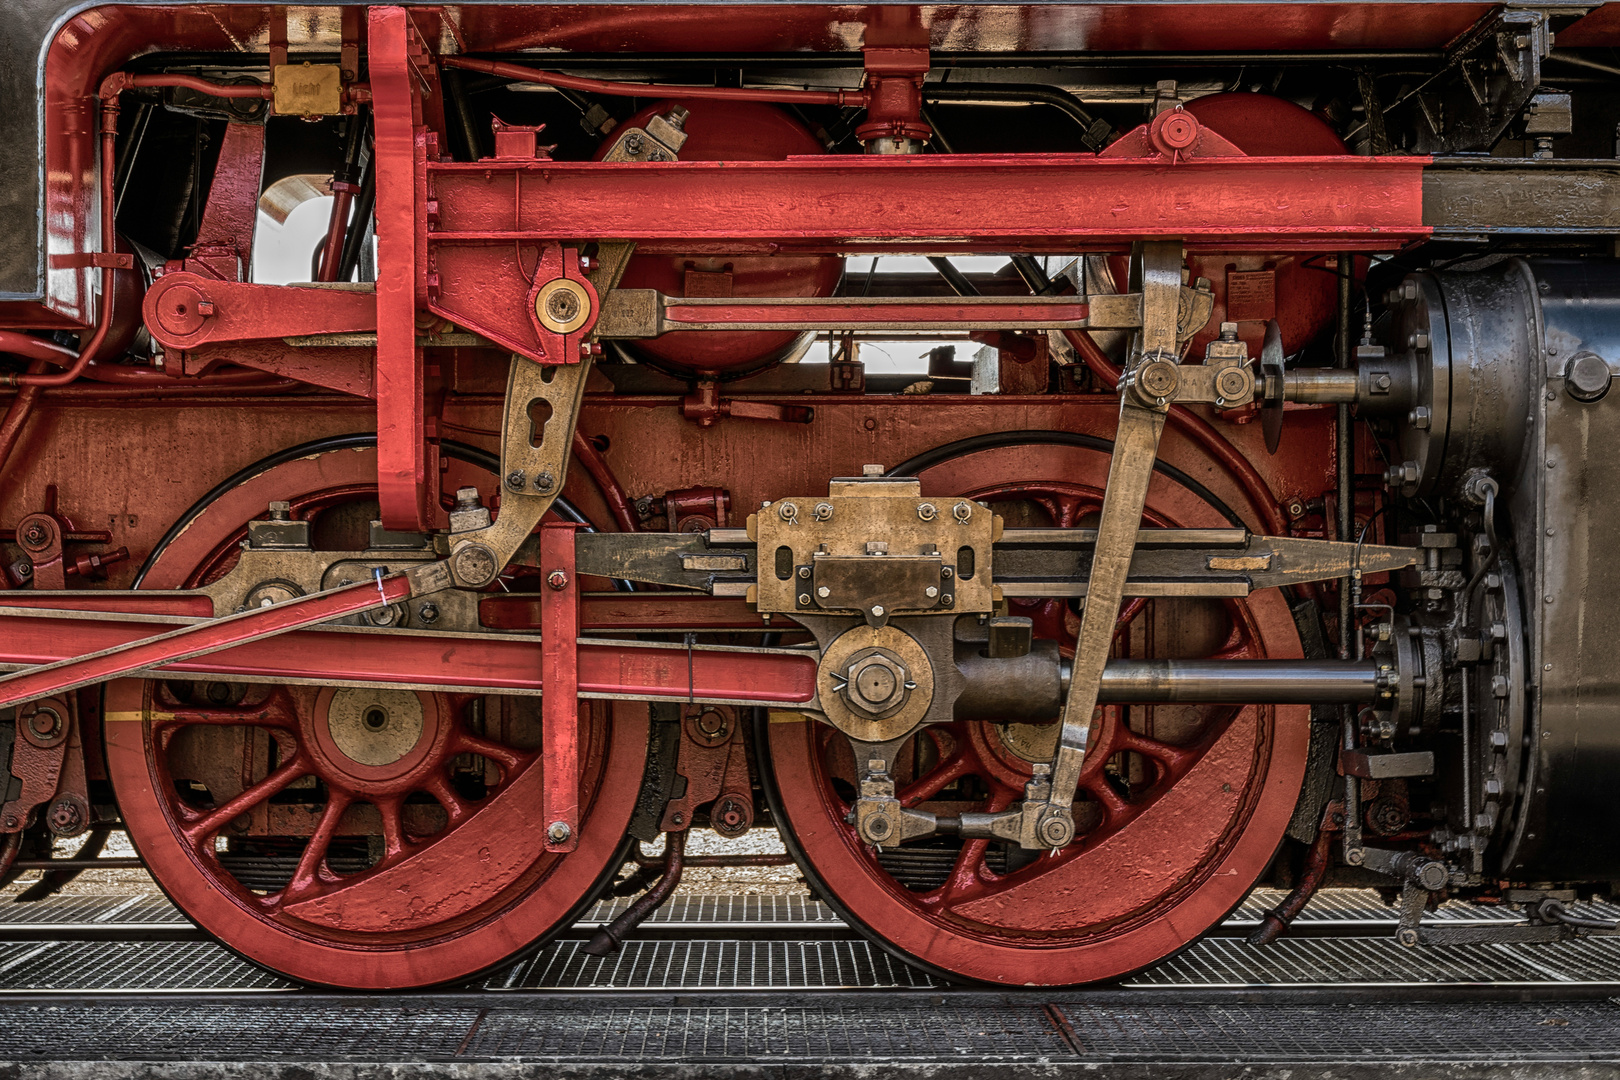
(376, 728)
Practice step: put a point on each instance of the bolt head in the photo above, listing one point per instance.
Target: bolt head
(927, 512)
(516, 481)
(823, 592)
(557, 579)
(962, 511)
(65, 818)
(428, 613)
(558, 832)
(544, 482)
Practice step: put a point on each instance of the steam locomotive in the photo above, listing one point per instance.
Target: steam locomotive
(1239, 520)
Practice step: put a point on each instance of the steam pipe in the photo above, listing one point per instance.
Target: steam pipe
(783, 96)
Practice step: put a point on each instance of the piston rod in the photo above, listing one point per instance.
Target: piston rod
(1030, 689)
(1241, 682)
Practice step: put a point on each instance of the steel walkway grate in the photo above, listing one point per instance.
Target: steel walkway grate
(686, 908)
(1066, 1031)
(141, 909)
(713, 965)
(1386, 1031)
(982, 1032)
(145, 966)
(1342, 961)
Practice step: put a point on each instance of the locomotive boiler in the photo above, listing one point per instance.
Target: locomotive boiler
(1241, 523)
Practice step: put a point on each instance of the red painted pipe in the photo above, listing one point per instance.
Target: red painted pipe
(119, 81)
(104, 317)
(38, 349)
(32, 348)
(785, 96)
(337, 229)
(595, 464)
(22, 406)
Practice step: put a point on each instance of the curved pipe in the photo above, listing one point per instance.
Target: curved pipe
(39, 349)
(111, 87)
(9, 847)
(119, 81)
(21, 408)
(16, 343)
(104, 317)
(1059, 99)
(607, 940)
(617, 502)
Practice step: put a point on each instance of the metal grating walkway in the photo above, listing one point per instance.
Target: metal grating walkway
(979, 1033)
(783, 943)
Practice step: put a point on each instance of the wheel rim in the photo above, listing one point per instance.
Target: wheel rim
(1180, 808)
(355, 837)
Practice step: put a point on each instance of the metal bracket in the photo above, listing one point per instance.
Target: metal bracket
(542, 409)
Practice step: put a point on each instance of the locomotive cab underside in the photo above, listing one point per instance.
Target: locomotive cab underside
(1240, 523)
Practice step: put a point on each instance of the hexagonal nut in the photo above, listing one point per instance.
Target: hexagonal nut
(876, 682)
(1587, 377)
(473, 565)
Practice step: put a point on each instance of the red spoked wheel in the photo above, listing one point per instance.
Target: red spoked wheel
(1180, 807)
(350, 836)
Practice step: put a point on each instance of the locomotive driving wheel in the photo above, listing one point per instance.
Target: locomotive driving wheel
(361, 837)
(1180, 807)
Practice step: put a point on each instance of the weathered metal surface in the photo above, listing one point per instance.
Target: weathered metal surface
(1483, 197)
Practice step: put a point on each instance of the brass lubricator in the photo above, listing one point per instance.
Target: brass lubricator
(878, 574)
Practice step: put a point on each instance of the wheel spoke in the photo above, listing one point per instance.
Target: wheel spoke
(1175, 759)
(393, 828)
(962, 762)
(312, 873)
(200, 829)
(964, 882)
(1127, 615)
(455, 807)
(508, 759)
(1114, 807)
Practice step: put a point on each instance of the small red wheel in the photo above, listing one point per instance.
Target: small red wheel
(1180, 807)
(349, 836)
